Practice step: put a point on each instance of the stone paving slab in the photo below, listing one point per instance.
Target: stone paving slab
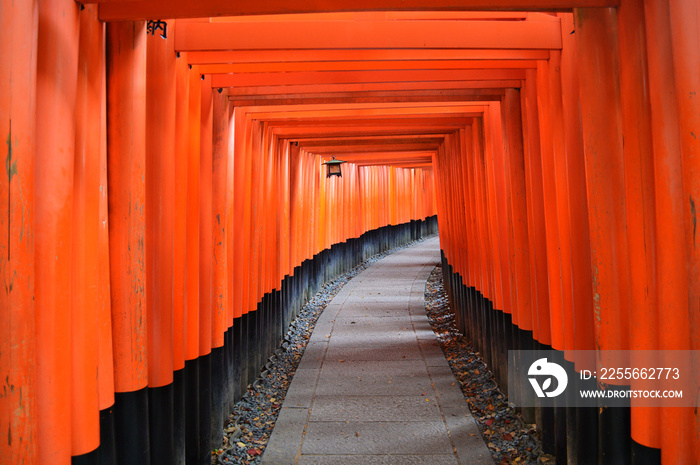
(377, 459)
(362, 307)
(301, 390)
(352, 368)
(288, 434)
(368, 438)
(375, 408)
(406, 320)
(390, 351)
(373, 386)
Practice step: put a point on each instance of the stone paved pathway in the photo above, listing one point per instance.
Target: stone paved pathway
(373, 386)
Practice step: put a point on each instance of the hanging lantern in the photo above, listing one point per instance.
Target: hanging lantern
(333, 167)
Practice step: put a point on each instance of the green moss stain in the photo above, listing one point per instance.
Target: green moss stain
(693, 218)
(11, 168)
(10, 164)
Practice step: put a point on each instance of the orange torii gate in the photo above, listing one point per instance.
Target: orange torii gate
(158, 207)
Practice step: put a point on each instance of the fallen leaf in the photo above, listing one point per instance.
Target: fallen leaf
(489, 422)
(507, 437)
(240, 444)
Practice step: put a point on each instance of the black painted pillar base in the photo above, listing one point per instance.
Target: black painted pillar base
(108, 450)
(218, 385)
(179, 417)
(160, 421)
(91, 458)
(205, 442)
(131, 427)
(643, 455)
(192, 422)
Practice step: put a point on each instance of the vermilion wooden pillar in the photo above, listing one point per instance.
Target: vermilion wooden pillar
(160, 223)
(254, 226)
(502, 206)
(487, 273)
(194, 109)
(685, 40)
(179, 257)
(247, 167)
(577, 198)
(192, 252)
(18, 410)
(105, 370)
(640, 198)
(284, 199)
(272, 245)
(218, 254)
(492, 211)
(57, 67)
(463, 200)
(205, 216)
(469, 207)
(477, 255)
(86, 211)
(295, 174)
(233, 339)
(205, 270)
(546, 100)
(686, 59)
(535, 209)
(561, 186)
(668, 188)
(515, 167)
(182, 95)
(583, 421)
(218, 218)
(599, 76)
(237, 242)
(126, 148)
(599, 72)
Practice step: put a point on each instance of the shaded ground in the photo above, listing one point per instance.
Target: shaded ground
(507, 436)
(250, 424)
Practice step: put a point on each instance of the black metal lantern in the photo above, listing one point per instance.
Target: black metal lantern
(333, 167)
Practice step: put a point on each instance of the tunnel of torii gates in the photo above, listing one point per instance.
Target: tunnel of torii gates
(168, 210)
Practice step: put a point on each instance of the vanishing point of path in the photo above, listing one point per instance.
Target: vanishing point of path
(373, 386)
